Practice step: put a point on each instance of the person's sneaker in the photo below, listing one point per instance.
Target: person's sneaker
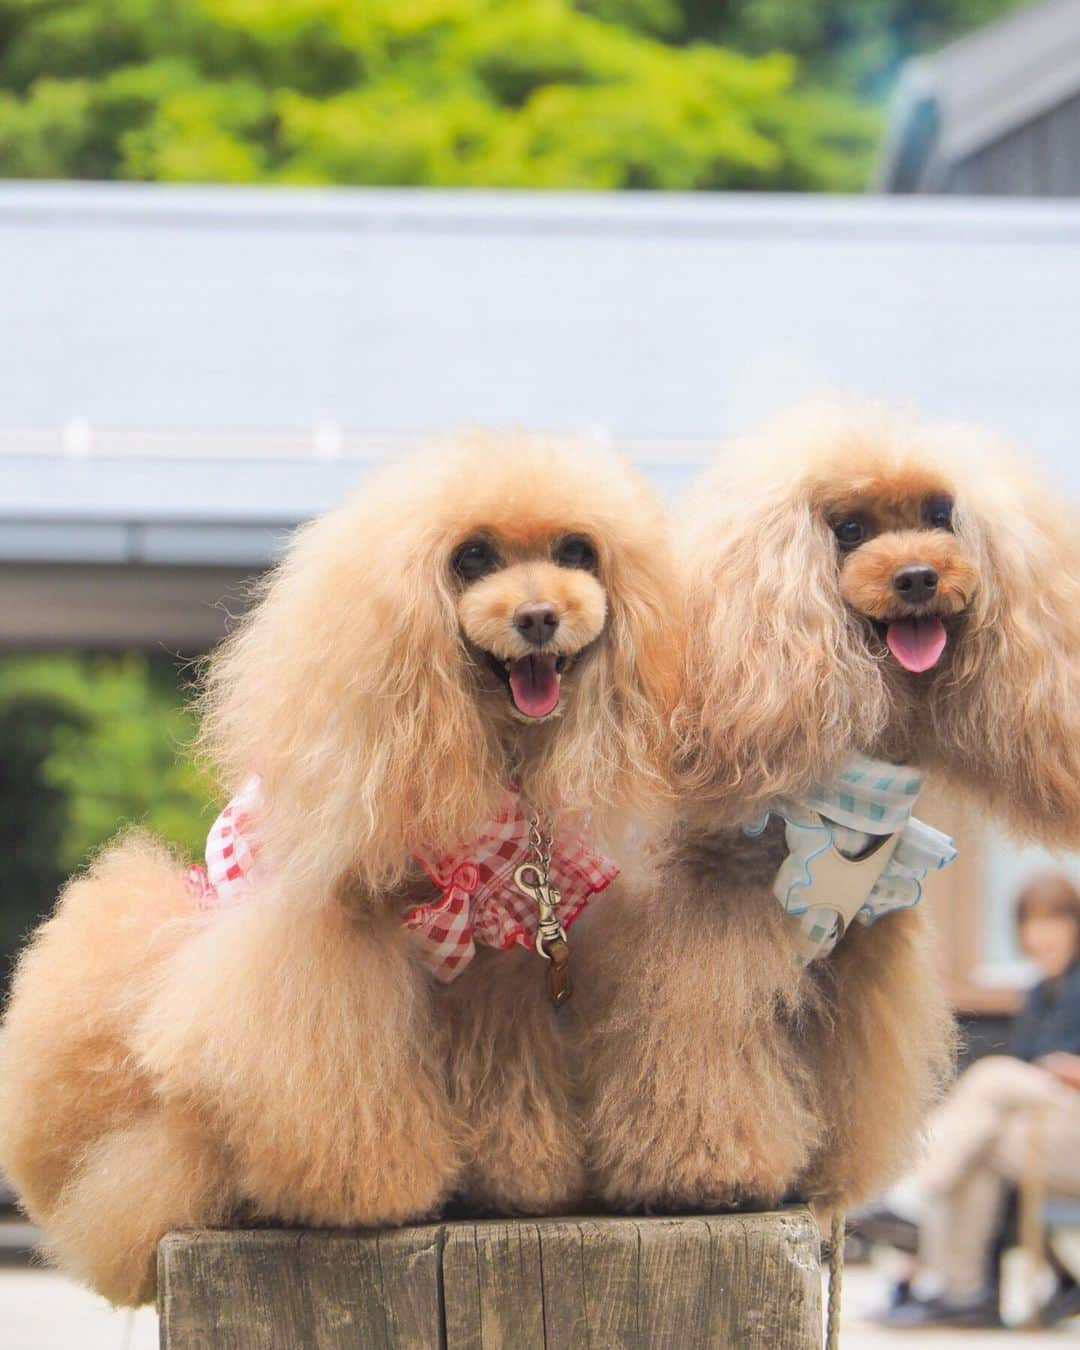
(1064, 1304)
(912, 1312)
(900, 1294)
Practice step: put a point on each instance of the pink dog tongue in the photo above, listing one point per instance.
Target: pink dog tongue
(534, 684)
(917, 643)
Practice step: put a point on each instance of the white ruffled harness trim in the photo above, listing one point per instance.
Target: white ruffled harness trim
(855, 852)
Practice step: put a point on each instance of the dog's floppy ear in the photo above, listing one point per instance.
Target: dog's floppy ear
(612, 756)
(641, 673)
(343, 689)
(779, 685)
(1008, 722)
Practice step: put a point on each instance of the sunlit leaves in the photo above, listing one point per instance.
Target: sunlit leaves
(493, 93)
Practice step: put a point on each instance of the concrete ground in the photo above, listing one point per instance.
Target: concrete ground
(864, 1292)
(40, 1310)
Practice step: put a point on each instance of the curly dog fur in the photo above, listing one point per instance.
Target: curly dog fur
(718, 1069)
(288, 1057)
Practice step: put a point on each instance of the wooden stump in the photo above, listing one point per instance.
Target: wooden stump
(751, 1281)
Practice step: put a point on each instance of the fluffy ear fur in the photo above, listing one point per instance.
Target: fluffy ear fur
(1008, 723)
(344, 690)
(779, 684)
(612, 756)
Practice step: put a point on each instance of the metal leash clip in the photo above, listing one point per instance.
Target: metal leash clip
(531, 879)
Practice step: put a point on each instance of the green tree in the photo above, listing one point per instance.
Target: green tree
(88, 745)
(515, 93)
(31, 819)
(857, 45)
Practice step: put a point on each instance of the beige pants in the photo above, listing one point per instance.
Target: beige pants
(981, 1141)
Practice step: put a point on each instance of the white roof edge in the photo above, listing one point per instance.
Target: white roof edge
(404, 211)
(153, 445)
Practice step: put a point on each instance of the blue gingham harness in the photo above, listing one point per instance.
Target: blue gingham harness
(855, 851)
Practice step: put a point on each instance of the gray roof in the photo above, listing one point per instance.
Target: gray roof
(186, 373)
(980, 90)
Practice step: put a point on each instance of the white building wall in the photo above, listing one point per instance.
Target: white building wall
(291, 327)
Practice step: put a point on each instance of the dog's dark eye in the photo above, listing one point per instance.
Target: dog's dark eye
(849, 533)
(937, 512)
(576, 551)
(474, 559)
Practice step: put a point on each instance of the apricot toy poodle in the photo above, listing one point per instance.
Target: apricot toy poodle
(465, 671)
(868, 603)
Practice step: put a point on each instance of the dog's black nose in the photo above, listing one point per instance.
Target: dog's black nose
(536, 623)
(915, 585)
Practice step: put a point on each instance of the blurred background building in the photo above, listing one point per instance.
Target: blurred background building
(997, 112)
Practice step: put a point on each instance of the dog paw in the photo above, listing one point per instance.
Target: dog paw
(695, 1167)
(534, 1186)
(408, 1182)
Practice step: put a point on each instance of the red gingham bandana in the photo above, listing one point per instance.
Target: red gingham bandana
(479, 903)
(231, 850)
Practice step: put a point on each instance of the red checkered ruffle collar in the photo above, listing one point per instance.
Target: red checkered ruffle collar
(479, 903)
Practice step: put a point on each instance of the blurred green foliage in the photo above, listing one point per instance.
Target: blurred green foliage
(516, 93)
(87, 746)
(510, 93)
(858, 45)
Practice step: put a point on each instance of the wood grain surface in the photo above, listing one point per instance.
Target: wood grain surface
(750, 1281)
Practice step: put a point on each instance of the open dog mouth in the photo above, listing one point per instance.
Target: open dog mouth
(532, 681)
(917, 642)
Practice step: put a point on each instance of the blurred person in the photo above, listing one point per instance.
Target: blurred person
(982, 1137)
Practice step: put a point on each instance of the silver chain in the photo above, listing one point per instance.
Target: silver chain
(550, 937)
(541, 845)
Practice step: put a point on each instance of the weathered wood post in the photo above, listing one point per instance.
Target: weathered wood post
(750, 1281)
